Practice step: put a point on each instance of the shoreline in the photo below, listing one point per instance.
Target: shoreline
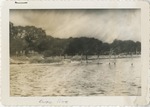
(58, 60)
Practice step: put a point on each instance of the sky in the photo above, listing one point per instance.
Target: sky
(103, 24)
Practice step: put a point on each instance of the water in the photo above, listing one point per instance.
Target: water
(77, 79)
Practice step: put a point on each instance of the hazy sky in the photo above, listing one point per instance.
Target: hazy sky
(105, 24)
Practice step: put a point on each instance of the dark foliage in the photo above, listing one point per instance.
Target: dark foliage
(30, 38)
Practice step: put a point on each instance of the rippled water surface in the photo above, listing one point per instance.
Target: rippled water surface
(77, 79)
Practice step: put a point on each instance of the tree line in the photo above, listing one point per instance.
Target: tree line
(24, 39)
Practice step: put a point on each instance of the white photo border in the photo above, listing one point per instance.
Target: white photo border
(70, 4)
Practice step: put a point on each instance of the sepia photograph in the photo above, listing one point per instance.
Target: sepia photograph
(75, 52)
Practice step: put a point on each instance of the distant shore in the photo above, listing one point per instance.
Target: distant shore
(57, 59)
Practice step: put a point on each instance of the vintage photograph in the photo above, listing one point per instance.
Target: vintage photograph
(75, 52)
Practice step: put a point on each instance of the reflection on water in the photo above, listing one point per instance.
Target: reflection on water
(77, 79)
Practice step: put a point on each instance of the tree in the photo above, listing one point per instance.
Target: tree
(26, 38)
(32, 38)
(138, 47)
(105, 49)
(116, 46)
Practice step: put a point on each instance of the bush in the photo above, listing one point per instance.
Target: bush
(45, 60)
(47, 53)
